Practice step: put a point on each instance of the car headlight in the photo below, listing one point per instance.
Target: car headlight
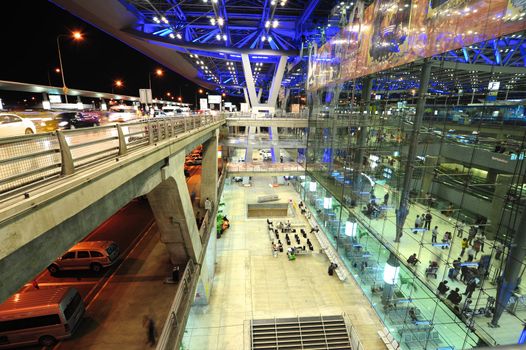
(62, 123)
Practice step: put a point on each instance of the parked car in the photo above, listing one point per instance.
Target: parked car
(88, 255)
(13, 125)
(193, 162)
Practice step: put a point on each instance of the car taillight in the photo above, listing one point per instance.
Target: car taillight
(66, 327)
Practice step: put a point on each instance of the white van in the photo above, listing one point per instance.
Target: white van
(122, 113)
(41, 316)
(177, 110)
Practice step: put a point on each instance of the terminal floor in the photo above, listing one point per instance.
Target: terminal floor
(510, 326)
(250, 283)
(114, 318)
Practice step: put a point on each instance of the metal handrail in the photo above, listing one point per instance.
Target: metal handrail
(171, 326)
(28, 159)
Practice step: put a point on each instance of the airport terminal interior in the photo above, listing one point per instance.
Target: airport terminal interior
(369, 192)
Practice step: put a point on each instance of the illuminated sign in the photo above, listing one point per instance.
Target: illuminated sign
(215, 99)
(55, 99)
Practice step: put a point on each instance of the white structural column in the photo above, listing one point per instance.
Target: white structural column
(247, 100)
(274, 137)
(276, 81)
(250, 131)
(255, 101)
(247, 71)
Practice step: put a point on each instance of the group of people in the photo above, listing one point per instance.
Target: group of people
(373, 209)
(424, 222)
(287, 228)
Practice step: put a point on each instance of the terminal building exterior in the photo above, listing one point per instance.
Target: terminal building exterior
(408, 120)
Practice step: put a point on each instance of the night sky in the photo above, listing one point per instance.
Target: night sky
(29, 54)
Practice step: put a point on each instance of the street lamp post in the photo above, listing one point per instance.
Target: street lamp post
(76, 36)
(116, 83)
(200, 91)
(159, 72)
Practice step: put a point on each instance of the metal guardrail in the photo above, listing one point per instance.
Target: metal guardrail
(264, 167)
(39, 158)
(174, 324)
(356, 344)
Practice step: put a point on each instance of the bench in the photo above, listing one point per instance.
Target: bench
(268, 198)
(389, 341)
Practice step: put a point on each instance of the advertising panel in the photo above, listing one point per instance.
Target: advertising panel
(203, 103)
(216, 99)
(390, 33)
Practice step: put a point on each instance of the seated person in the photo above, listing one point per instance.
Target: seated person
(412, 260)
(442, 288)
(412, 314)
(454, 296)
(432, 269)
(314, 229)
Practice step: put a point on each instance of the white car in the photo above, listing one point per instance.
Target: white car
(13, 125)
(122, 114)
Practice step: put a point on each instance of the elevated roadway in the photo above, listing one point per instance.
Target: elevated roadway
(44, 218)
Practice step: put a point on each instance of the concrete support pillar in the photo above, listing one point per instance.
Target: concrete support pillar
(507, 283)
(285, 100)
(174, 214)
(274, 138)
(403, 209)
(367, 86)
(492, 176)
(260, 93)
(209, 171)
(429, 164)
(498, 202)
(250, 147)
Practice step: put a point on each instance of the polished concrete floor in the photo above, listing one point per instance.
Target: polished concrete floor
(250, 283)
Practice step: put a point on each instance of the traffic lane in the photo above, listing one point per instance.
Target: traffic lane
(122, 227)
(114, 317)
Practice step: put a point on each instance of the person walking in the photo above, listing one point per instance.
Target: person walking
(418, 221)
(428, 218)
(472, 285)
(498, 250)
(35, 284)
(471, 234)
(151, 333)
(434, 235)
(460, 228)
(464, 244)
(386, 198)
(471, 254)
(208, 204)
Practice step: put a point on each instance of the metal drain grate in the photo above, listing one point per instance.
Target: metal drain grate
(314, 333)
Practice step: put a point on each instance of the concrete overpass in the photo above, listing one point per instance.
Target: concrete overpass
(40, 222)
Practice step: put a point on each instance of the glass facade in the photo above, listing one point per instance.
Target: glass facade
(447, 139)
